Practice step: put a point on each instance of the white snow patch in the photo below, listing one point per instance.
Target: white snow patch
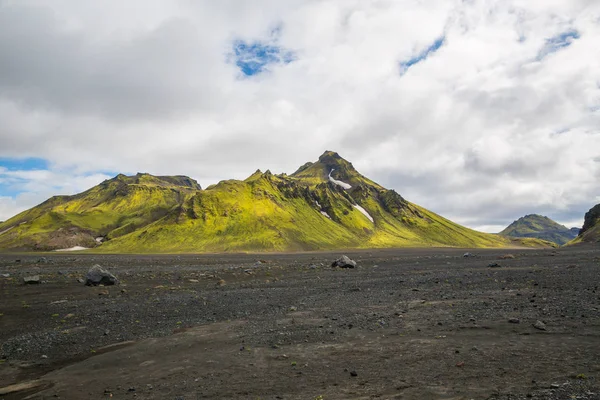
(343, 185)
(6, 230)
(325, 214)
(364, 212)
(75, 248)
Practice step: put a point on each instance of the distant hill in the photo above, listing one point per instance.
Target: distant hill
(590, 232)
(540, 227)
(325, 204)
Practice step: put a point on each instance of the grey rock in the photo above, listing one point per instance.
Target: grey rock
(32, 280)
(99, 276)
(466, 255)
(539, 325)
(344, 262)
(514, 321)
(5, 275)
(493, 265)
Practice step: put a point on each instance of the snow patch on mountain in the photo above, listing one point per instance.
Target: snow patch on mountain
(364, 212)
(341, 184)
(74, 248)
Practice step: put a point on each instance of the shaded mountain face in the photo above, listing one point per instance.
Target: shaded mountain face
(590, 232)
(325, 204)
(539, 227)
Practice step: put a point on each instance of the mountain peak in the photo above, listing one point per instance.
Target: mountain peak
(142, 178)
(539, 226)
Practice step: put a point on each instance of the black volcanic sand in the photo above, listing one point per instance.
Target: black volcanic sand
(405, 324)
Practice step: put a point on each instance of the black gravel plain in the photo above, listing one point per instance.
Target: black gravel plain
(403, 324)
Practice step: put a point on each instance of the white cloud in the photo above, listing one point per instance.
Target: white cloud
(483, 131)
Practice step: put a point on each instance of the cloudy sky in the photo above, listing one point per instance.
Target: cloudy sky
(482, 111)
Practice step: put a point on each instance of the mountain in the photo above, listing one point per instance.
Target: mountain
(540, 227)
(590, 232)
(323, 205)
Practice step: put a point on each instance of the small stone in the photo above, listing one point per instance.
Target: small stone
(539, 325)
(106, 332)
(44, 356)
(466, 255)
(193, 280)
(460, 364)
(131, 389)
(344, 262)
(293, 308)
(493, 265)
(353, 373)
(514, 320)
(99, 276)
(31, 280)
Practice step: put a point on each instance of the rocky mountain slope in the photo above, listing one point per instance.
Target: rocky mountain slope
(323, 205)
(590, 232)
(540, 227)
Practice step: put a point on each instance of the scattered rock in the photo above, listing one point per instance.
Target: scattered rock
(460, 364)
(507, 257)
(514, 321)
(42, 260)
(80, 280)
(99, 276)
(539, 325)
(467, 255)
(31, 280)
(5, 275)
(344, 262)
(44, 356)
(493, 265)
(353, 373)
(193, 280)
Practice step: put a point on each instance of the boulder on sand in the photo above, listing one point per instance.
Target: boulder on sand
(344, 262)
(99, 276)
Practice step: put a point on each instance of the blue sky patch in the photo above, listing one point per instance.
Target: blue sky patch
(254, 57)
(435, 46)
(560, 41)
(23, 164)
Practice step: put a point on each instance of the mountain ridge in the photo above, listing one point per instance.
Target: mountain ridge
(539, 227)
(324, 205)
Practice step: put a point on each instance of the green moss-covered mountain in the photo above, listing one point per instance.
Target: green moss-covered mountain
(540, 227)
(323, 205)
(590, 232)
